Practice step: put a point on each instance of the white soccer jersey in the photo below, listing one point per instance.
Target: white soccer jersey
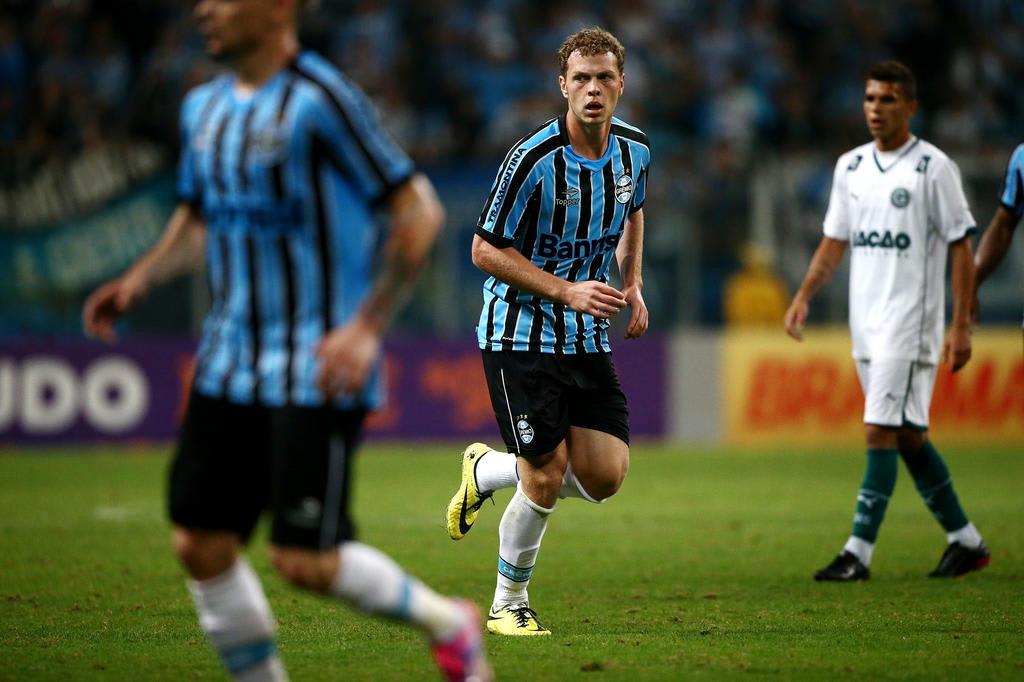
(899, 210)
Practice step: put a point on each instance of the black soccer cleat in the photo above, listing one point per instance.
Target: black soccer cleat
(958, 560)
(844, 568)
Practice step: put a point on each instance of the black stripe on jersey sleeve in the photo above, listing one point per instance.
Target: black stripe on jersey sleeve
(641, 177)
(277, 170)
(495, 239)
(346, 116)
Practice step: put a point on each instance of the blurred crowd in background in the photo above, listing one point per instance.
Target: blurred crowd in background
(721, 87)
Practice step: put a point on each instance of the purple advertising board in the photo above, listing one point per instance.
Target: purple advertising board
(80, 391)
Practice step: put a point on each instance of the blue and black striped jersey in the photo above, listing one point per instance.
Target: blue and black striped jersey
(285, 179)
(1012, 196)
(565, 214)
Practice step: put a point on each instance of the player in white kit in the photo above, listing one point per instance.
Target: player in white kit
(898, 203)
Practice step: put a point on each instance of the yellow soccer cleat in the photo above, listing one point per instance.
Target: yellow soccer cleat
(516, 621)
(461, 513)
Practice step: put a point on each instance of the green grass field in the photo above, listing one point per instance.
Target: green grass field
(700, 568)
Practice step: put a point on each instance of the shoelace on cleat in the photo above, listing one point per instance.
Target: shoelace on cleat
(522, 616)
(483, 498)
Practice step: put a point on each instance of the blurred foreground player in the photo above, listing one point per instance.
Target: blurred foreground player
(567, 200)
(999, 234)
(282, 161)
(899, 203)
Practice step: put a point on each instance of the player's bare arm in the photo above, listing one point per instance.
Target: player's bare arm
(823, 265)
(992, 248)
(629, 254)
(510, 266)
(348, 353)
(957, 346)
(179, 250)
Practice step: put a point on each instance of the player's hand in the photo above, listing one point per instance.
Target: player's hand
(795, 318)
(957, 347)
(109, 302)
(595, 298)
(638, 318)
(347, 355)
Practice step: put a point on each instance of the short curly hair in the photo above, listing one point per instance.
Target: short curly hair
(591, 41)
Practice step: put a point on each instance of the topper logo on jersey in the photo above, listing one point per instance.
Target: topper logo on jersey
(900, 197)
(571, 198)
(881, 240)
(548, 246)
(623, 189)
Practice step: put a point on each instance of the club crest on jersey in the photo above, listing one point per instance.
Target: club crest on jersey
(524, 429)
(571, 197)
(267, 145)
(900, 197)
(623, 189)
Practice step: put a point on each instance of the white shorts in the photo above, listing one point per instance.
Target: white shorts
(896, 392)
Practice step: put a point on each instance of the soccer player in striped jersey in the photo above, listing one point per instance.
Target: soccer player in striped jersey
(567, 199)
(997, 238)
(897, 201)
(283, 162)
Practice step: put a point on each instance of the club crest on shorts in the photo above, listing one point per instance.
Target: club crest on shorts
(623, 189)
(524, 429)
(900, 197)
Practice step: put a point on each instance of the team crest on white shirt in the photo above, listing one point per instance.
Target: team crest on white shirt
(900, 197)
(623, 189)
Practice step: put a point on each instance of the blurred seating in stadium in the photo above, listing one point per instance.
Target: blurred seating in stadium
(747, 104)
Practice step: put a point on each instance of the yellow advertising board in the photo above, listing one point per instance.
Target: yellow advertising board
(778, 391)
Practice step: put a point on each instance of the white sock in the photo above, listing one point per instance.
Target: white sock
(860, 548)
(519, 534)
(376, 584)
(571, 487)
(235, 615)
(968, 536)
(495, 471)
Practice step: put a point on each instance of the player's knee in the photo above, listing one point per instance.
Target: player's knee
(301, 568)
(911, 441)
(600, 485)
(204, 555)
(878, 436)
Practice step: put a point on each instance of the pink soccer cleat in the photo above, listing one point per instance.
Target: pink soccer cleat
(462, 659)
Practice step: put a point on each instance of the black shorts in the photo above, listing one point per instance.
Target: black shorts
(235, 461)
(538, 396)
